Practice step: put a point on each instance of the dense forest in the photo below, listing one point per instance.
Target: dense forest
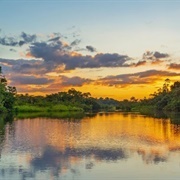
(71, 100)
(166, 98)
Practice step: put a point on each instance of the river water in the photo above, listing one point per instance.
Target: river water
(103, 146)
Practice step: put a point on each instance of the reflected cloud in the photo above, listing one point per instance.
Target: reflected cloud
(57, 160)
(51, 159)
(20, 173)
(150, 158)
(66, 147)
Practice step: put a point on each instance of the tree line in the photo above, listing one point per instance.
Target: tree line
(166, 98)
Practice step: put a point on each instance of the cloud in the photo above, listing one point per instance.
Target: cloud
(52, 54)
(74, 81)
(25, 67)
(159, 55)
(145, 62)
(174, 66)
(75, 42)
(56, 53)
(13, 50)
(145, 77)
(46, 51)
(59, 54)
(29, 80)
(90, 48)
(21, 73)
(24, 72)
(54, 39)
(150, 73)
(8, 41)
(140, 63)
(99, 60)
(24, 38)
(151, 58)
(157, 62)
(154, 55)
(28, 38)
(64, 82)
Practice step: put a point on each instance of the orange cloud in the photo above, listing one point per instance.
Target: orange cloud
(157, 62)
(145, 77)
(29, 55)
(140, 63)
(174, 66)
(73, 53)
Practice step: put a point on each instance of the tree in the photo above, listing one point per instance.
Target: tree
(166, 86)
(7, 93)
(176, 85)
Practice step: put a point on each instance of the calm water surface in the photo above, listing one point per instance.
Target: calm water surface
(98, 147)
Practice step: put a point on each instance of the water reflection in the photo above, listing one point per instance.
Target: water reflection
(67, 148)
(62, 160)
(61, 115)
(174, 117)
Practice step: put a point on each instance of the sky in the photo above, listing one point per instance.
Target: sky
(110, 48)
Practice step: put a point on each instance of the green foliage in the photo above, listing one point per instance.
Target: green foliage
(7, 93)
(71, 100)
(108, 104)
(55, 108)
(62, 101)
(167, 98)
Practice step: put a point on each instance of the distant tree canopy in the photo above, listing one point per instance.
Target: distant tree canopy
(166, 98)
(71, 98)
(7, 93)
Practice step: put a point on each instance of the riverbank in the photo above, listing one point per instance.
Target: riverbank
(54, 108)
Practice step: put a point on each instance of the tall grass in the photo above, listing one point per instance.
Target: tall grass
(55, 108)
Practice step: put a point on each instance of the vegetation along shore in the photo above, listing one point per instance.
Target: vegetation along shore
(166, 98)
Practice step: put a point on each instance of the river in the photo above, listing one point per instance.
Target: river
(102, 146)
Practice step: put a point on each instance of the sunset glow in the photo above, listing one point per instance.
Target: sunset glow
(118, 50)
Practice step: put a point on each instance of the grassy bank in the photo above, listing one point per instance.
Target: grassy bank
(55, 108)
(143, 109)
